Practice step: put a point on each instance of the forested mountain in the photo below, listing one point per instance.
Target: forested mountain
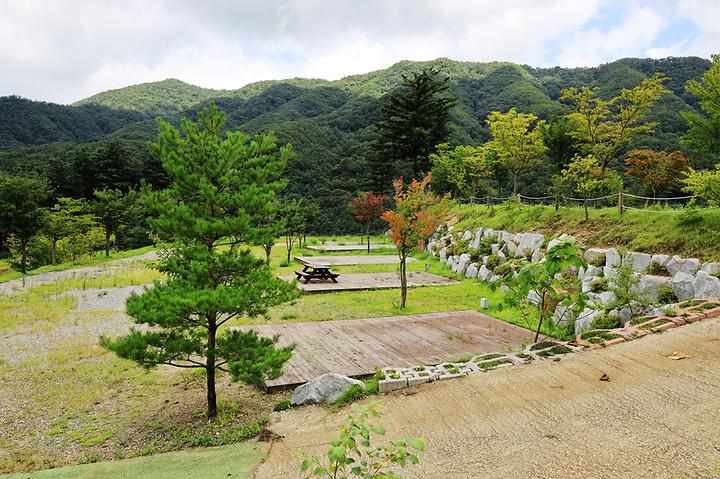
(329, 123)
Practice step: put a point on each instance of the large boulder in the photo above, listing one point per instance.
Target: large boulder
(706, 286)
(612, 257)
(484, 273)
(683, 285)
(475, 243)
(443, 255)
(467, 235)
(471, 271)
(324, 389)
(660, 259)
(585, 320)
(640, 261)
(557, 240)
(461, 265)
(529, 243)
(712, 269)
(650, 285)
(685, 265)
(596, 256)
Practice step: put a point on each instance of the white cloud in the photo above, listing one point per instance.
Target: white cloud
(65, 50)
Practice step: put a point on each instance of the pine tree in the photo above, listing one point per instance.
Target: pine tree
(222, 184)
(413, 120)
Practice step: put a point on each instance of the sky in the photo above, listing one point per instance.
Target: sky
(66, 50)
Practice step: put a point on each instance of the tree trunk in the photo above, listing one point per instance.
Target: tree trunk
(585, 203)
(268, 251)
(515, 177)
(367, 234)
(403, 282)
(107, 241)
(210, 369)
(23, 256)
(53, 252)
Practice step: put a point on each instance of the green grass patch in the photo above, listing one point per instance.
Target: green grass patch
(554, 351)
(493, 364)
(238, 461)
(657, 231)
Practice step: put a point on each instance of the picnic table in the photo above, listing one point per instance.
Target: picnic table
(312, 270)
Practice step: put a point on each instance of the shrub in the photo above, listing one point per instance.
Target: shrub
(607, 321)
(353, 453)
(657, 269)
(665, 295)
(283, 405)
(493, 262)
(486, 244)
(599, 285)
(475, 255)
(599, 261)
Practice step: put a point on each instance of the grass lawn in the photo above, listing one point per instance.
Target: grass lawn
(238, 461)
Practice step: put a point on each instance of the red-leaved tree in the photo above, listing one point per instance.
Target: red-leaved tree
(657, 169)
(367, 206)
(416, 215)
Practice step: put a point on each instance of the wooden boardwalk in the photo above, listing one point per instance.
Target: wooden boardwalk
(356, 347)
(364, 281)
(353, 260)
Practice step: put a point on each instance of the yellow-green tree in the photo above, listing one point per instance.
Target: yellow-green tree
(608, 126)
(460, 170)
(584, 173)
(517, 140)
(704, 183)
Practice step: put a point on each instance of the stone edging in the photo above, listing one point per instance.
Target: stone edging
(686, 312)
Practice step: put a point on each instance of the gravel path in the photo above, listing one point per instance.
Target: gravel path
(655, 418)
(17, 286)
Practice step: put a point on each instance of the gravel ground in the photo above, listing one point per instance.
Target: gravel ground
(655, 418)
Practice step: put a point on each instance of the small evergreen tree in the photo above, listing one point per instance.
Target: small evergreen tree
(413, 120)
(221, 187)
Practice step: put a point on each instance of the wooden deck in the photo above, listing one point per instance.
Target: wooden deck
(364, 281)
(353, 260)
(356, 347)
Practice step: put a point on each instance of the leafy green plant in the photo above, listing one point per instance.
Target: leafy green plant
(355, 392)
(624, 285)
(493, 262)
(537, 289)
(354, 454)
(665, 295)
(282, 405)
(607, 321)
(599, 285)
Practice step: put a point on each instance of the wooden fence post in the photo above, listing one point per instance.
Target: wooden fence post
(621, 202)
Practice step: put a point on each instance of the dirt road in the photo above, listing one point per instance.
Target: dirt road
(655, 418)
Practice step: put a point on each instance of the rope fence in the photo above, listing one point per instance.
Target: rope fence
(621, 201)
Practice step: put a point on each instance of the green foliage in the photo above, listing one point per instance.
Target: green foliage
(21, 210)
(461, 171)
(537, 287)
(705, 183)
(222, 186)
(356, 392)
(517, 140)
(665, 295)
(354, 452)
(704, 129)
(623, 283)
(607, 321)
(413, 119)
(282, 405)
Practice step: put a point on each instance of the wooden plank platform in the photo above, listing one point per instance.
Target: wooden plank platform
(349, 247)
(364, 281)
(352, 260)
(356, 347)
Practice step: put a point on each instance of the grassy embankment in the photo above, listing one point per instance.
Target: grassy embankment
(650, 231)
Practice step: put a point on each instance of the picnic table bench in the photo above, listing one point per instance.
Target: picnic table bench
(312, 270)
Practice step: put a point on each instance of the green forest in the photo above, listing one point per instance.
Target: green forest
(101, 142)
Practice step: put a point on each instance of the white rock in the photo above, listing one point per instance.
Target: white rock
(471, 271)
(585, 319)
(483, 303)
(706, 286)
(326, 388)
(557, 240)
(592, 255)
(605, 298)
(511, 248)
(537, 256)
(475, 243)
(489, 233)
(661, 259)
(506, 237)
(640, 261)
(650, 285)
(462, 263)
(484, 273)
(443, 255)
(612, 257)
(502, 256)
(467, 235)
(712, 269)
(533, 297)
(685, 265)
(530, 242)
(683, 285)
(495, 248)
